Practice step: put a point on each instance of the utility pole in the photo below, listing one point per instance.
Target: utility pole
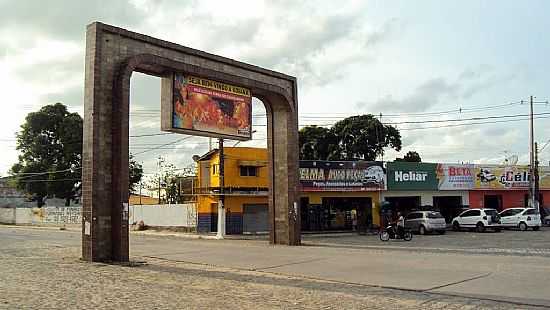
(532, 195)
(140, 192)
(537, 186)
(160, 175)
(221, 208)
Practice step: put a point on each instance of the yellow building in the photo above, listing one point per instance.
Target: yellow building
(335, 195)
(245, 190)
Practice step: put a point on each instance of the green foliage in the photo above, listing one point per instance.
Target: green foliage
(411, 156)
(361, 137)
(50, 141)
(50, 160)
(135, 170)
(318, 143)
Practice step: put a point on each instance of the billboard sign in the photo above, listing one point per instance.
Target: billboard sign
(208, 108)
(455, 176)
(318, 175)
(412, 176)
(501, 177)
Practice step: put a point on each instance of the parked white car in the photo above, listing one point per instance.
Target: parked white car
(478, 219)
(522, 218)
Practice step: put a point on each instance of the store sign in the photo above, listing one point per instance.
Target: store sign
(501, 177)
(341, 175)
(411, 176)
(208, 108)
(455, 177)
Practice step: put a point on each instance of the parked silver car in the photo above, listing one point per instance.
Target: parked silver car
(425, 221)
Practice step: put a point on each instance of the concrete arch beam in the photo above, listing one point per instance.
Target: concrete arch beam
(112, 55)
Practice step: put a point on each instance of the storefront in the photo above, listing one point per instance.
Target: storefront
(502, 187)
(340, 196)
(428, 186)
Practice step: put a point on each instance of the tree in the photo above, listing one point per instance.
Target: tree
(411, 156)
(165, 179)
(136, 173)
(365, 137)
(50, 160)
(50, 146)
(361, 137)
(318, 143)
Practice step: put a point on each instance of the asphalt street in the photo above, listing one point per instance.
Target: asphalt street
(477, 266)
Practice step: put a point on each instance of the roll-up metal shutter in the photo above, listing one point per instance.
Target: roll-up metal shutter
(255, 219)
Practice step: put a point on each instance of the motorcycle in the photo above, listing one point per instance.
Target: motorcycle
(390, 232)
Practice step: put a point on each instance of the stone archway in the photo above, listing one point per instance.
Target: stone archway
(112, 55)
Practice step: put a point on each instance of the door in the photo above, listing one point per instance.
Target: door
(510, 217)
(255, 219)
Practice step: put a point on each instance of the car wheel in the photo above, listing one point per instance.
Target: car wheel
(456, 226)
(422, 230)
(522, 226)
(480, 227)
(535, 228)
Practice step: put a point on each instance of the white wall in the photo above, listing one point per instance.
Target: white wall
(37, 216)
(176, 215)
(7, 215)
(426, 197)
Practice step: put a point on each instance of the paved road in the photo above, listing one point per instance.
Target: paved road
(507, 242)
(481, 278)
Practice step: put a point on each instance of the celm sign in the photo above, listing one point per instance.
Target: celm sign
(411, 176)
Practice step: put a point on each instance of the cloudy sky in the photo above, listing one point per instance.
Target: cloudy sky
(418, 63)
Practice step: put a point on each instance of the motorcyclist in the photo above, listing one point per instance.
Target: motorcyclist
(400, 224)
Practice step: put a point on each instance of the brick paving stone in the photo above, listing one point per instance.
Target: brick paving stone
(37, 276)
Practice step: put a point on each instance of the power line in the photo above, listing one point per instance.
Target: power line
(169, 143)
(474, 123)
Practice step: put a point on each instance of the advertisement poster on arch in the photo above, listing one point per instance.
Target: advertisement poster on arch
(210, 108)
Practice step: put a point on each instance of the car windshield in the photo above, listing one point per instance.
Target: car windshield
(491, 212)
(434, 215)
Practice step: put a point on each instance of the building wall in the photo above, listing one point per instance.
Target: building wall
(176, 215)
(233, 157)
(208, 211)
(510, 198)
(426, 197)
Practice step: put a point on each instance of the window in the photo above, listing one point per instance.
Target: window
(471, 213)
(413, 216)
(530, 212)
(507, 213)
(510, 212)
(248, 171)
(215, 169)
(434, 215)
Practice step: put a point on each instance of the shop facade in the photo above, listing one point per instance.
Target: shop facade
(340, 195)
(356, 195)
(501, 187)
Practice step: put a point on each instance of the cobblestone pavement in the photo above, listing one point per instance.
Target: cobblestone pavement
(49, 275)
